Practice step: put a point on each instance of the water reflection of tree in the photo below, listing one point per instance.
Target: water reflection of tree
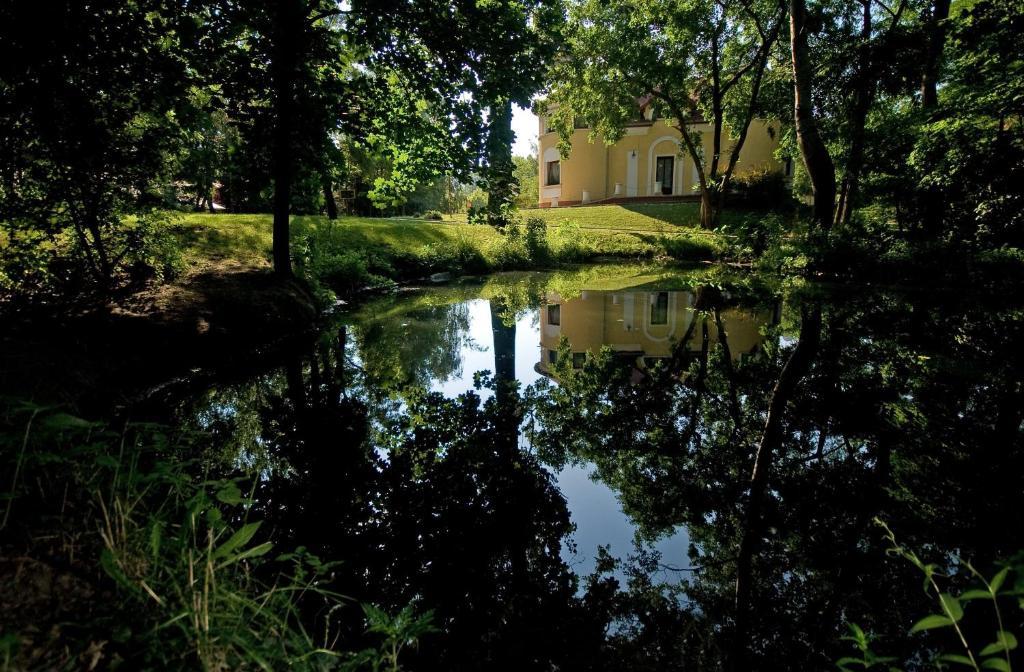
(414, 347)
(906, 410)
(778, 487)
(432, 505)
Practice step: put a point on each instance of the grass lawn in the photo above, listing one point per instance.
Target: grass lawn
(248, 238)
(650, 217)
(611, 230)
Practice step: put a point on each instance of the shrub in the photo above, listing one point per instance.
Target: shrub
(999, 592)
(36, 263)
(537, 248)
(569, 243)
(459, 256)
(325, 266)
(763, 189)
(433, 215)
(751, 236)
(691, 248)
(510, 251)
(152, 250)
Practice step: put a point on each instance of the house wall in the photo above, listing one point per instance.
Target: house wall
(597, 168)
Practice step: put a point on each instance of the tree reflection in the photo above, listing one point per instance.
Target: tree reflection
(778, 464)
(429, 503)
(402, 347)
(853, 407)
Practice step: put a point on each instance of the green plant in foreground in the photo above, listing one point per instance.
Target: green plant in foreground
(993, 656)
(190, 581)
(399, 631)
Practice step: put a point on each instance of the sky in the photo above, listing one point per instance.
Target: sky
(524, 124)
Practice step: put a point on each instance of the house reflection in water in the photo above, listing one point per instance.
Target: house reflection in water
(640, 325)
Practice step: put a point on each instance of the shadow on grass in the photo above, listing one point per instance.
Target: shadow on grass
(109, 356)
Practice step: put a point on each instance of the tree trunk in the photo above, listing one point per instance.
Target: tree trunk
(936, 41)
(708, 214)
(817, 160)
(103, 263)
(708, 210)
(863, 96)
(329, 202)
(504, 343)
(288, 25)
(760, 65)
(501, 181)
(795, 369)
(755, 91)
(716, 106)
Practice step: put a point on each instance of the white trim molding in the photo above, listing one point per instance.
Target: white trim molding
(650, 163)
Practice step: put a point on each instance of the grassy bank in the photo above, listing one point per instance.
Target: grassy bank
(351, 249)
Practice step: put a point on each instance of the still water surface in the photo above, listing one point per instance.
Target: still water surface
(621, 408)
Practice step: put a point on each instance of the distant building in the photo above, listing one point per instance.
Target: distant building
(649, 162)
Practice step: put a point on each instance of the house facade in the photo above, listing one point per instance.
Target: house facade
(648, 162)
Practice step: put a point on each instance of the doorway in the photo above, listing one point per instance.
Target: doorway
(664, 174)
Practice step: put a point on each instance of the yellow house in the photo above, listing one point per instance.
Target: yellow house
(640, 325)
(649, 162)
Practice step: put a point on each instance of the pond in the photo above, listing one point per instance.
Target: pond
(564, 467)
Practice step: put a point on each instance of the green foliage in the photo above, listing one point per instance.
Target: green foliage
(398, 631)
(37, 266)
(752, 236)
(92, 114)
(536, 240)
(432, 215)
(992, 656)
(151, 249)
(685, 60)
(459, 256)
(762, 189)
(527, 177)
(694, 247)
(191, 581)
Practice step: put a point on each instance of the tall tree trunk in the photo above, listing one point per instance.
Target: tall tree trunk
(863, 96)
(716, 105)
(287, 28)
(755, 92)
(92, 216)
(817, 160)
(501, 181)
(708, 214)
(329, 202)
(795, 369)
(935, 42)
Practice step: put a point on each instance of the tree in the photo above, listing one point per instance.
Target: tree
(816, 158)
(873, 427)
(526, 177)
(400, 77)
(89, 119)
(968, 153)
(695, 60)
